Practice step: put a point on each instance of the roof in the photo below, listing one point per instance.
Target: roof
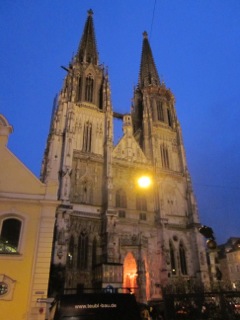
(87, 51)
(148, 72)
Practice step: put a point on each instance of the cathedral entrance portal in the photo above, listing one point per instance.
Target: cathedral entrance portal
(130, 273)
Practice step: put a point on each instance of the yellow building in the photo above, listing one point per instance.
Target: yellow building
(27, 215)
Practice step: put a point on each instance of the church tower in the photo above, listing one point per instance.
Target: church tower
(111, 233)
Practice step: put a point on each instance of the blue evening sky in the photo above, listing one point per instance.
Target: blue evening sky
(196, 47)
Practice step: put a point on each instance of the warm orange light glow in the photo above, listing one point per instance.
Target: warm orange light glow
(144, 182)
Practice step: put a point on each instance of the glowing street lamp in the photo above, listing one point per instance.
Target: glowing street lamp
(144, 182)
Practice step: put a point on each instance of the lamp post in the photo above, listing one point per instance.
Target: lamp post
(143, 182)
(211, 243)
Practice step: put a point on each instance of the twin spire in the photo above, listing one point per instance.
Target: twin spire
(148, 74)
(87, 53)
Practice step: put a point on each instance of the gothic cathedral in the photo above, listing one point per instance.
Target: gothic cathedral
(110, 232)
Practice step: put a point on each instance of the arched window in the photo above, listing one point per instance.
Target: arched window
(89, 89)
(169, 117)
(172, 258)
(70, 252)
(183, 262)
(121, 199)
(82, 260)
(164, 156)
(87, 137)
(10, 235)
(79, 89)
(141, 202)
(160, 111)
(94, 252)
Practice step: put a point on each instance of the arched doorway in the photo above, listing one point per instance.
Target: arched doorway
(130, 272)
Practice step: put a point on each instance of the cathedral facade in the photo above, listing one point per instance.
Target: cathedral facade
(110, 232)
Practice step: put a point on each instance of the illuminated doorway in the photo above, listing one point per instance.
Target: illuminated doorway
(130, 273)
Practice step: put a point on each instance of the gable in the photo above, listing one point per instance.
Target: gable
(128, 149)
(15, 177)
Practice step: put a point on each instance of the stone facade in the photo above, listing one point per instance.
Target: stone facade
(229, 262)
(109, 232)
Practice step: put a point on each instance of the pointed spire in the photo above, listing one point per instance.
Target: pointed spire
(87, 51)
(148, 72)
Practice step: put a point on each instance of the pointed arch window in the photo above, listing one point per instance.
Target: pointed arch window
(169, 118)
(89, 88)
(121, 199)
(79, 89)
(172, 258)
(160, 111)
(183, 262)
(164, 156)
(61, 237)
(141, 202)
(82, 259)
(10, 235)
(87, 137)
(70, 252)
(94, 252)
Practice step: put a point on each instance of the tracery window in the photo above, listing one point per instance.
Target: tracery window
(143, 216)
(172, 258)
(10, 235)
(121, 199)
(82, 260)
(94, 252)
(79, 89)
(70, 252)
(169, 118)
(141, 202)
(122, 214)
(89, 89)
(164, 156)
(160, 111)
(183, 262)
(87, 137)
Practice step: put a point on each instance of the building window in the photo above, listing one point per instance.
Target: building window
(141, 202)
(7, 286)
(3, 288)
(164, 156)
(70, 252)
(121, 213)
(143, 216)
(89, 89)
(121, 199)
(183, 262)
(169, 117)
(79, 89)
(87, 137)
(10, 235)
(94, 252)
(160, 111)
(172, 258)
(82, 251)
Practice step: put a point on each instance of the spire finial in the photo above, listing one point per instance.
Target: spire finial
(145, 35)
(87, 51)
(90, 12)
(148, 72)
